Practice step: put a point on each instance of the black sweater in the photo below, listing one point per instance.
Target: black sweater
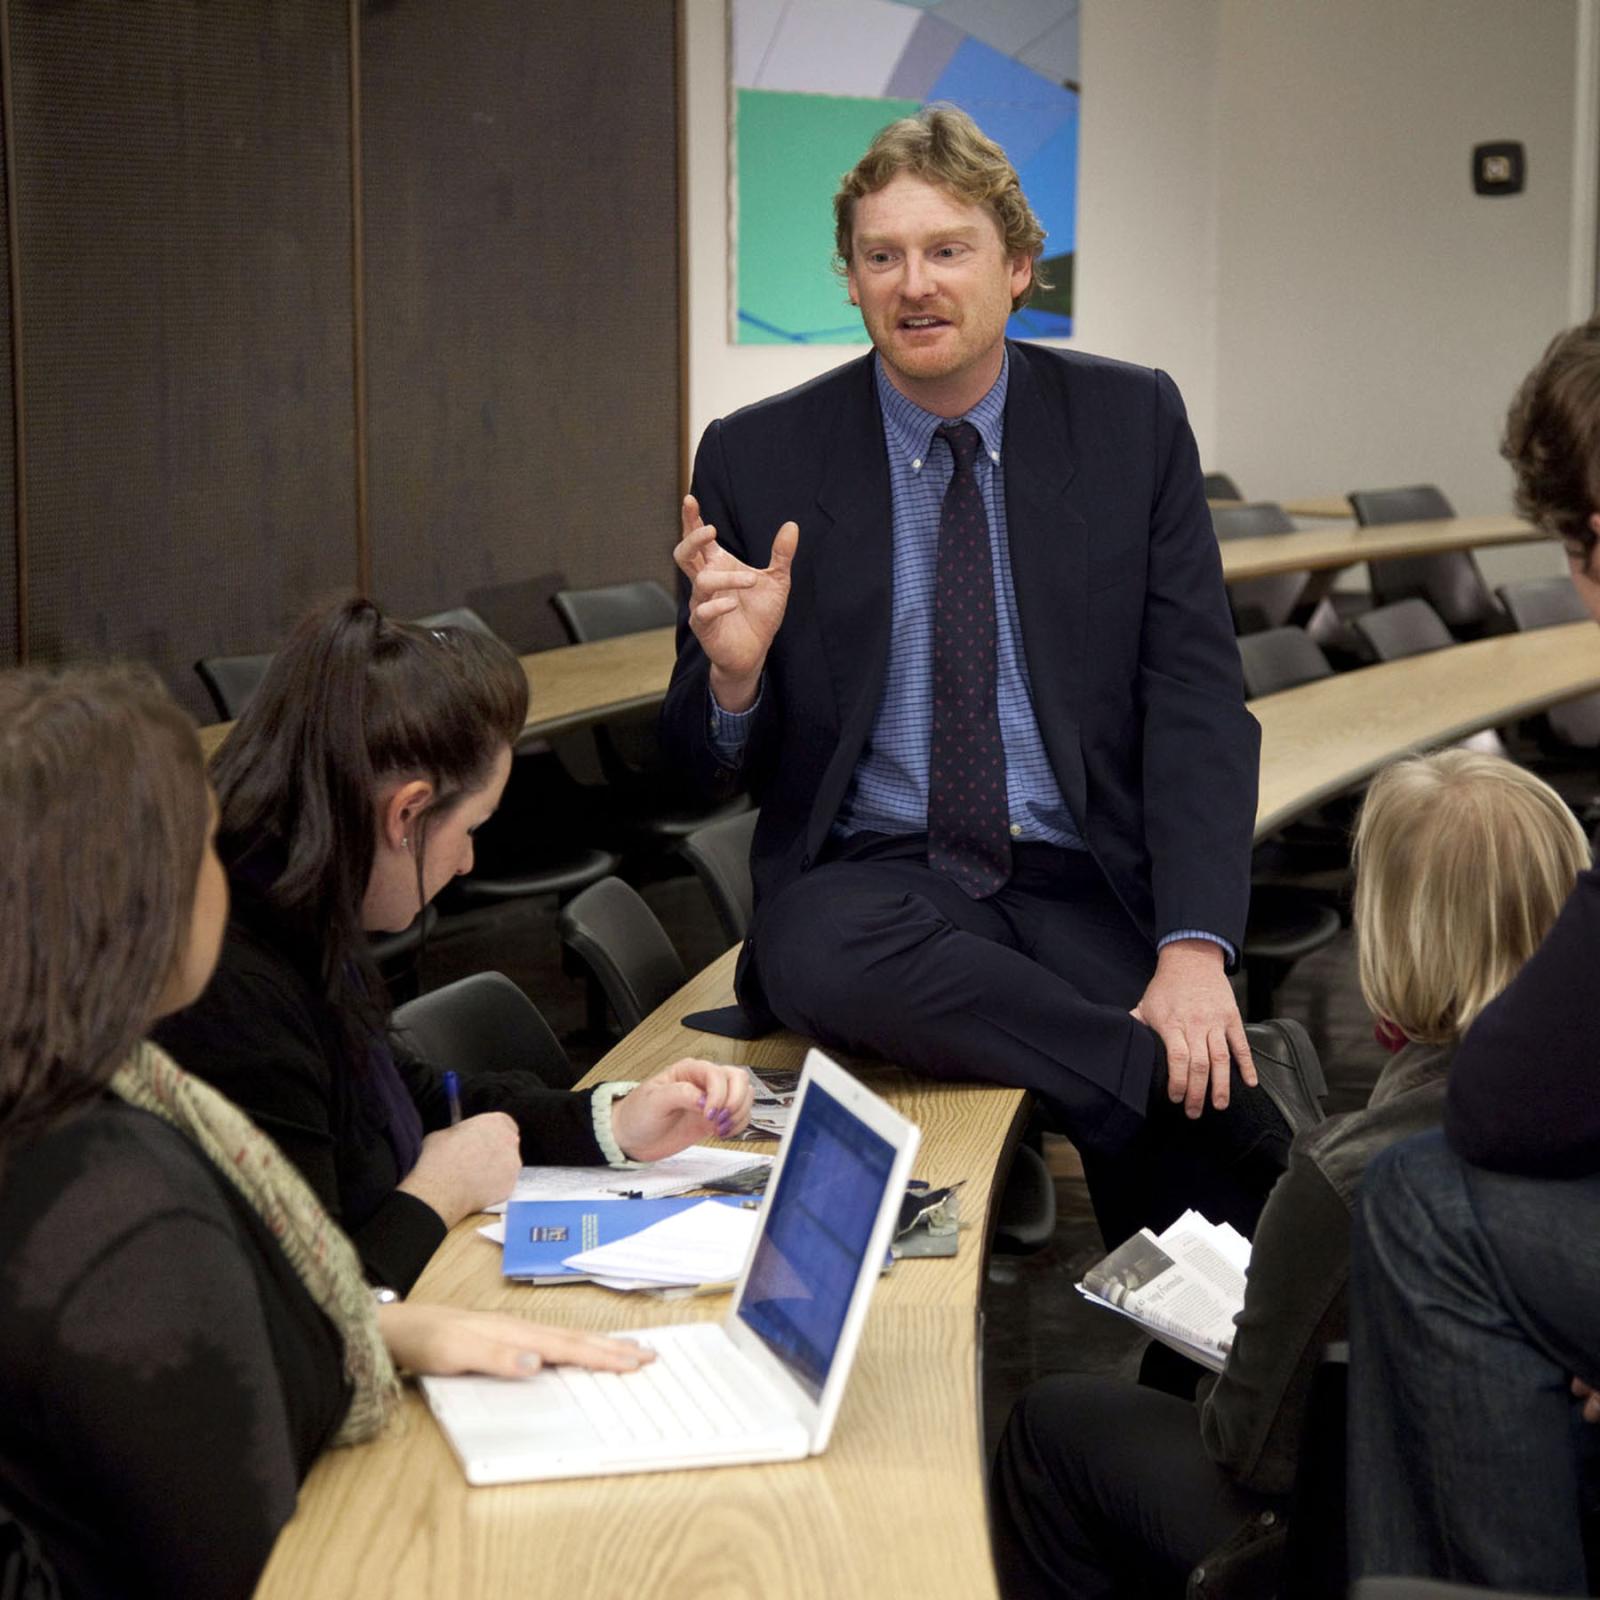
(1525, 1087)
(264, 1035)
(165, 1379)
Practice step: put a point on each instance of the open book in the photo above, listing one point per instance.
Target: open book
(1185, 1287)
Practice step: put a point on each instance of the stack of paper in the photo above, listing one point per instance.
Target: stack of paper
(707, 1243)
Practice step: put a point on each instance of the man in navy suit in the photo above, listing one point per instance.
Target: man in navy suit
(988, 699)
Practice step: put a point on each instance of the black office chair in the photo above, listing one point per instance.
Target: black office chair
(231, 681)
(1406, 628)
(720, 856)
(1219, 486)
(1450, 582)
(457, 617)
(1259, 602)
(522, 612)
(1280, 658)
(484, 1023)
(613, 609)
(632, 965)
(645, 805)
(1547, 603)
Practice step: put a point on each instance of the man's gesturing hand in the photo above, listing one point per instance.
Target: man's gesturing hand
(734, 610)
(1190, 1003)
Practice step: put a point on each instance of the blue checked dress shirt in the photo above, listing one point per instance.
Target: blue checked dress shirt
(889, 791)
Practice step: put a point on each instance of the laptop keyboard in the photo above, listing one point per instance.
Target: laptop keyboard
(682, 1394)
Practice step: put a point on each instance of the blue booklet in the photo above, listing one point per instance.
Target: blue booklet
(541, 1234)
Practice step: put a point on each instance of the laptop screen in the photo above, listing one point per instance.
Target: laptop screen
(817, 1227)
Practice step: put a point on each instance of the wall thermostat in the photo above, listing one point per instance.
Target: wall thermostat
(1497, 168)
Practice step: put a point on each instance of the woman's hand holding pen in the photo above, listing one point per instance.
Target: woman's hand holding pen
(681, 1105)
(468, 1166)
(445, 1339)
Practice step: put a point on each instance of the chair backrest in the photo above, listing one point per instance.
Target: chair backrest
(1406, 628)
(1219, 486)
(457, 617)
(484, 1023)
(1250, 521)
(720, 854)
(1547, 603)
(1416, 502)
(1542, 603)
(231, 681)
(521, 612)
(614, 609)
(1280, 658)
(1451, 582)
(616, 935)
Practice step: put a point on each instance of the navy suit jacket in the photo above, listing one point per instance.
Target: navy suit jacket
(1125, 626)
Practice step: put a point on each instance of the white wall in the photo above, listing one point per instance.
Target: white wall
(1275, 206)
(1146, 222)
(1374, 314)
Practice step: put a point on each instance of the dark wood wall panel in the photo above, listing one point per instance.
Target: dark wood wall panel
(520, 190)
(183, 195)
(8, 453)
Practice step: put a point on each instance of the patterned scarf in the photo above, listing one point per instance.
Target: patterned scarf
(317, 1249)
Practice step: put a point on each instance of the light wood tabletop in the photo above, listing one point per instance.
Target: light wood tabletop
(1323, 738)
(575, 686)
(894, 1506)
(1325, 549)
(1333, 505)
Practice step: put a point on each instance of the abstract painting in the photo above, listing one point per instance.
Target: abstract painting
(814, 80)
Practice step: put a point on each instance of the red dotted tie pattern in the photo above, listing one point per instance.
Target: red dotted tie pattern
(968, 819)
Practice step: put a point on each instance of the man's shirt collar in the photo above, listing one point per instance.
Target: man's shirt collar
(909, 429)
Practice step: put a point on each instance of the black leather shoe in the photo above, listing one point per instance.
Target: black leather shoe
(1288, 1070)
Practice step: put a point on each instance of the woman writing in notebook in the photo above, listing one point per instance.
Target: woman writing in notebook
(182, 1326)
(1106, 1489)
(349, 792)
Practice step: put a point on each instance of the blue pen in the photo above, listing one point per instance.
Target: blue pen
(452, 1087)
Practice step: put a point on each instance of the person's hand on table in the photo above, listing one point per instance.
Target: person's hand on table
(681, 1105)
(1189, 1003)
(468, 1167)
(445, 1340)
(734, 610)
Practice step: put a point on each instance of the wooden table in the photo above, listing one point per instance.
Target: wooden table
(895, 1506)
(1323, 738)
(1333, 505)
(576, 685)
(1327, 549)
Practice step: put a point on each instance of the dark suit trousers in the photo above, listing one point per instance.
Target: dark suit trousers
(875, 953)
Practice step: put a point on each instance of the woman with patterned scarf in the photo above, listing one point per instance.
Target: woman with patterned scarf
(182, 1326)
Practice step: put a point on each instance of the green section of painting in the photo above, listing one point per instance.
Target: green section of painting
(793, 149)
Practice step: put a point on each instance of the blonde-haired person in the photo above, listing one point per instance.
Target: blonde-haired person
(1475, 1275)
(183, 1328)
(1463, 862)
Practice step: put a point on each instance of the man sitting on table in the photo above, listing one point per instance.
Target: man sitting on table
(989, 701)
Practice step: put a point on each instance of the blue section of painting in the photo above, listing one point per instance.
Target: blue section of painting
(1036, 122)
(1013, 104)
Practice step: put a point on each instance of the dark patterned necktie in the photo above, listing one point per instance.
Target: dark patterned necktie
(968, 833)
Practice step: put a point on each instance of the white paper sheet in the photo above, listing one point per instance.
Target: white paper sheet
(693, 1168)
(707, 1243)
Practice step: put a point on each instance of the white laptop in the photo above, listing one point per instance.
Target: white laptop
(762, 1385)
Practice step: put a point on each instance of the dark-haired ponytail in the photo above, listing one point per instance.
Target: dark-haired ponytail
(353, 699)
